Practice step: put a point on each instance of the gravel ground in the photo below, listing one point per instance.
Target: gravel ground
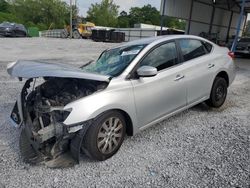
(199, 147)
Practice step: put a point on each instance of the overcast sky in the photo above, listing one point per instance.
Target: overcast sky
(124, 4)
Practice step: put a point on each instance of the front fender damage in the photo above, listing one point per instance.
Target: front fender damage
(64, 152)
(44, 138)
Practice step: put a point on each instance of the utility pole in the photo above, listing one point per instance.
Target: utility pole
(162, 15)
(71, 16)
(243, 3)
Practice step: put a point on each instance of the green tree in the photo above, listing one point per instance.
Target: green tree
(5, 12)
(123, 20)
(104, 13)
(8, 17)
(4, 6)
(46, 13)
(174, 23)
(123, 13)
(42, 12)
(147, 14)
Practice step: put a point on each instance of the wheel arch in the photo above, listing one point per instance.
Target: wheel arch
(223, 74)
(76, 142)
(129, 123)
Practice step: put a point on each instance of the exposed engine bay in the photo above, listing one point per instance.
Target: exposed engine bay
(44, 137)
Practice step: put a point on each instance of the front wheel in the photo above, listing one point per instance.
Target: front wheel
(218, 93)
(64, 34)
(105, 136)
(76, 34)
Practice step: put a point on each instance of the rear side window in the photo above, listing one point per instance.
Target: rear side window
(208, 46)
(191, 48)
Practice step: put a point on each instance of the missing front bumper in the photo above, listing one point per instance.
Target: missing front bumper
(62, 152)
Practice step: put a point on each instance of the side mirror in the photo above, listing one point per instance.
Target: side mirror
(147, 71)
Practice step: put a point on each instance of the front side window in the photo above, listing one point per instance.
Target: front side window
(191, 48)
(162, 57)
(113, 62)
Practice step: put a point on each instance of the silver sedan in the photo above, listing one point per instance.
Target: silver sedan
(127, 89)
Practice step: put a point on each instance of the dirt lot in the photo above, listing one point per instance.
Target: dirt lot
(200, 147)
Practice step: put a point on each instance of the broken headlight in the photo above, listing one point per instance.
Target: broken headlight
(61, 115)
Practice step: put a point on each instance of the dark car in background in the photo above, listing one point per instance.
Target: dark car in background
(243, 47)
(12, 30)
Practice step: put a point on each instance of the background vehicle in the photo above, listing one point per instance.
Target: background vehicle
(80, 30)
(12, 30)
(243, 47)
(129, 88)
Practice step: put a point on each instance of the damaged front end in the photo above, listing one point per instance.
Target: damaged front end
(39, 112)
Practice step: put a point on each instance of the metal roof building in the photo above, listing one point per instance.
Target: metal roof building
(225, 17)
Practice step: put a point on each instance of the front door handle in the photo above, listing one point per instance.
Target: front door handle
(178, 77)
(210, 66)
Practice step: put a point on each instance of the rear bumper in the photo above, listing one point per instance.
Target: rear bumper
(244, 52)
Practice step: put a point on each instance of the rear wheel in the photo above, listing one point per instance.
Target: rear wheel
(24, 34)
(218, 94)
(76, 34)
(105, 136)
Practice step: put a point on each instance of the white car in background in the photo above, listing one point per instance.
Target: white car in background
(129, 88)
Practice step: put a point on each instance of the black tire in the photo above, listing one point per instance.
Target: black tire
(218, 93)
(76, 34)
(64, 34)
(91, 138)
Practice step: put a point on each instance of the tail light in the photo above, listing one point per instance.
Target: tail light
(231, 54)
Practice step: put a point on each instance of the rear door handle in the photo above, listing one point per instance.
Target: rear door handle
(179, 77)
(210, 66)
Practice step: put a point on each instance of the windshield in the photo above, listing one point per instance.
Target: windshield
(6, 24)
(113, 62)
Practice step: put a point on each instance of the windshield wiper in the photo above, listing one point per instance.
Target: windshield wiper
(87, 64)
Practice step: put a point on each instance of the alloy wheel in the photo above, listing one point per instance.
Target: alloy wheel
(110, 135)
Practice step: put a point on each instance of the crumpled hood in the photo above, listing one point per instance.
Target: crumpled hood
(35, 69)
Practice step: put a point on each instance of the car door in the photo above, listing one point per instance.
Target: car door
(22, 31)
(199, 66)
(164, 93)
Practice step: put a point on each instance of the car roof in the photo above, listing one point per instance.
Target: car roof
(7, 24)
(149, 40)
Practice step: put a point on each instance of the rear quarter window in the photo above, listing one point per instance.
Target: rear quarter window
(191, 48)
(208, 46)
